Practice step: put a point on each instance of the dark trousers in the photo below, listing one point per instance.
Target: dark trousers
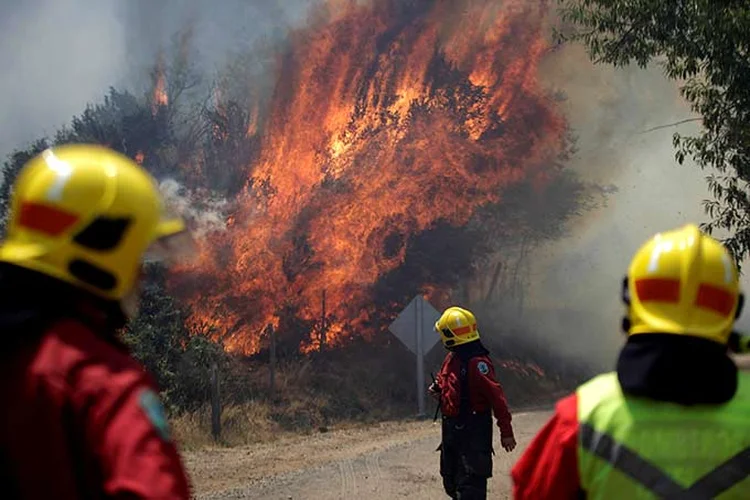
(466, 456)
(465, 473)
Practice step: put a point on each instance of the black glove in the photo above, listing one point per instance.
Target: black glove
(434, 390)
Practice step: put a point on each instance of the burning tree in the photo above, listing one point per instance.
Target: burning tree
(386, 149)
(388, 122)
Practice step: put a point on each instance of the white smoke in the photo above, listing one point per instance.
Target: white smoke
(204, 213)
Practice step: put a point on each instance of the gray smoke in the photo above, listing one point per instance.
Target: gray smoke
(59, 55)
(219, 30)
(56, 56)
(575, 298)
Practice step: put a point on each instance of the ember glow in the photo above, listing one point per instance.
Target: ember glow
(385, 120)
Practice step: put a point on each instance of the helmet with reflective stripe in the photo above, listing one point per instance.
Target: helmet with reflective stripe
(682, 282)
(457, 326)
(87, 215)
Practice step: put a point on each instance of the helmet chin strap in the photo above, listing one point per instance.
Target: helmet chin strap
(740, 305)
(625, 297)
(625, 325)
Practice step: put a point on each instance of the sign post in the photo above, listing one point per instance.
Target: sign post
(414, 327)
(215, 402)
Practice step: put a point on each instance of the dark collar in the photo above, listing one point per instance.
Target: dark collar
(30, 302)
(470, 350)
(675, 368)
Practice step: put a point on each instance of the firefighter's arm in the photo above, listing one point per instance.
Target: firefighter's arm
(129, 434)
(483, 373)
(548, 469)
(439, 383)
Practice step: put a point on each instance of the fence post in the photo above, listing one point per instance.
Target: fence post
(215, 402)
(272, 363)
(323, 331)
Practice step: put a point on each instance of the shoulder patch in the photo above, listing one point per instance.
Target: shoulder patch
(483, 368)
(154, 410)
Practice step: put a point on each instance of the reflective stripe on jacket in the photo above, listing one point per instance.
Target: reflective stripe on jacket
(638, 448)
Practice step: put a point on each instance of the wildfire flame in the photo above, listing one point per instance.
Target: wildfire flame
(159, 95)
(385, 120)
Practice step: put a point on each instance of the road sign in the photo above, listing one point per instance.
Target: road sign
(415, 328)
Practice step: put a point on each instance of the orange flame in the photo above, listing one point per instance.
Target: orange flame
(252, 127)
(385, 120)
(159, 97)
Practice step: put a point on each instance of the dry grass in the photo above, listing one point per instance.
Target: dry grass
(244, 424)
(310, 395)
(356, 386)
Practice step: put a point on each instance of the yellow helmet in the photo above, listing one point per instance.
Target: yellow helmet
(88, 216)
(457, 326)
(682, 282)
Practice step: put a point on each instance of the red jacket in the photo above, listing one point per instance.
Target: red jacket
(485, 392)
(80, 418)
(548, 468)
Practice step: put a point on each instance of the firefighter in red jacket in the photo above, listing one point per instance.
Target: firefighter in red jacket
(672, 421)
(81, 418)
(468, 393)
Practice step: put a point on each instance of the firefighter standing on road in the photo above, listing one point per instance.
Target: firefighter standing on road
(81, 418)
(674, 420)
(468, 393)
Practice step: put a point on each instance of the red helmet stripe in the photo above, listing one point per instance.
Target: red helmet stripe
(715, 299)
(709, 297)
(45, 218)
(464, 329)
(657, 290)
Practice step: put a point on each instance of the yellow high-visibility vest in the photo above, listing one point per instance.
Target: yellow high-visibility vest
(631, 447)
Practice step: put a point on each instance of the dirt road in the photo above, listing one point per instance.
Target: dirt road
(391, 460)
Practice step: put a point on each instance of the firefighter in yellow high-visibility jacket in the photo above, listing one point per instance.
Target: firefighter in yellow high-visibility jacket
(673, 421)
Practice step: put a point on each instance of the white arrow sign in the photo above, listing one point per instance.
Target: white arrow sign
(415, 328)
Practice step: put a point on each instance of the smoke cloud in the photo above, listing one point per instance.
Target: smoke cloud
(218, 30)
(56, 56)
(59, 55)
(204, 213)
(575, 282)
